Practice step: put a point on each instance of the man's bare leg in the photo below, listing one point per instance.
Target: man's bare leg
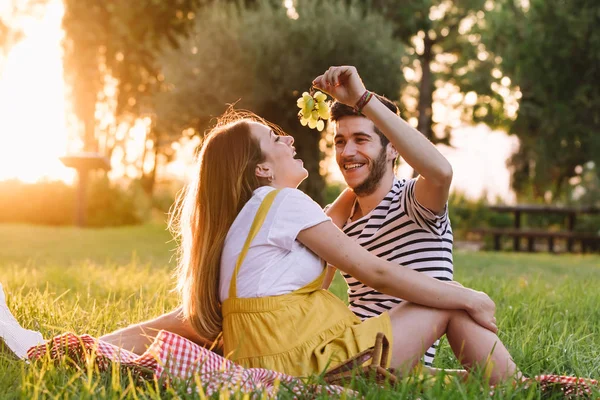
(415, 328)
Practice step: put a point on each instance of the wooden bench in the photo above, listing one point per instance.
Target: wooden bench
(588, 241)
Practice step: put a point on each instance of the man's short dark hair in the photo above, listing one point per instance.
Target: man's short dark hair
(340, 110)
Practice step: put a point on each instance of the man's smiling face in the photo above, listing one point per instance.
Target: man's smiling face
(360, 154)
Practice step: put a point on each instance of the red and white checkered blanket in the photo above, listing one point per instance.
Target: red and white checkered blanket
(570, 387)
(174, 357)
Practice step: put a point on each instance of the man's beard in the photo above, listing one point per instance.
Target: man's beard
(372, 181)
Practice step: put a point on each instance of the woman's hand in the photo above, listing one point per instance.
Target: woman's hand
(482, 309)
(342, 83)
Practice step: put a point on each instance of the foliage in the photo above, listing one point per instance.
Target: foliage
(585, 188)
(12, 16)
(262, 59)
(467, 214)
(4, 35)
(165, 195)
(551, 51)
(445, 55)
(110, 58)
(53, 203)
(48, 203)
(332, 191)
(110, 205)
(120, 39)
(97, 280)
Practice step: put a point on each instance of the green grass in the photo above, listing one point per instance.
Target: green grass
(94, 281)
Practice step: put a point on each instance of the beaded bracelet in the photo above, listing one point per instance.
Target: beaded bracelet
(362, 102)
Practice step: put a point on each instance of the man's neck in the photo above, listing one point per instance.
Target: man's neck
(366, 204)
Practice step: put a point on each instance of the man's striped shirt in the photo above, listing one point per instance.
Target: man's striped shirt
(402, 231)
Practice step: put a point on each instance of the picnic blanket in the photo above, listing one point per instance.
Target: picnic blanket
(173, 357)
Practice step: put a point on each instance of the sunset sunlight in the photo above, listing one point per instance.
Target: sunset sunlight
(423, 179)
(33, 132)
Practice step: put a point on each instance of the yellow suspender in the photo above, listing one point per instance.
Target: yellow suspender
(261, 214)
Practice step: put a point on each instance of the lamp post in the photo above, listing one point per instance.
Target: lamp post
(84, 163)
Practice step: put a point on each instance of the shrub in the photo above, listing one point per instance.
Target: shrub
(467, 214)
(110, 205)
(54, 202)
(332, 191)
(46, 203)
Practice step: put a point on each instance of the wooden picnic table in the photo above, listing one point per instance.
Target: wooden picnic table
(590, 239)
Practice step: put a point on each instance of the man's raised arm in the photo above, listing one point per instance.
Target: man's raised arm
(344, 84)
(435, 172)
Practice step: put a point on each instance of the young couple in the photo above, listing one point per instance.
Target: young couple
(254, 249)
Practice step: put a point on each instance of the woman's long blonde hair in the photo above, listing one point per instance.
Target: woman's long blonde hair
(205, 211)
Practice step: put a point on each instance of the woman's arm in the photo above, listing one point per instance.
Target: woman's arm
(138, 337)
(339, 212)
(392, 279)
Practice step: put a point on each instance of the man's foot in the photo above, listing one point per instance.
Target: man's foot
(13, 337)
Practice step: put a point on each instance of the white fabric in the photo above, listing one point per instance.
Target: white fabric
(13, 337)
(276, 263)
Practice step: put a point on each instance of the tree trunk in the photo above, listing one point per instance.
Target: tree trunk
(307, 146)
(425, 106)
(151, 179)
(143, 158)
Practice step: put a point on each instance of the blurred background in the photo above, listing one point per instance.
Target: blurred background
(507, 89)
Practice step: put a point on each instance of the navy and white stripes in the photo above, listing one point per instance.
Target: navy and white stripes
(402, 231)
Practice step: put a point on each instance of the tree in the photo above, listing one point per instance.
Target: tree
(5, 33)
(262, 59)
(446, 57)
(10, 23)
(551, 52)
(111, 49)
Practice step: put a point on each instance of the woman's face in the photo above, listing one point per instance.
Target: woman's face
(280, 167)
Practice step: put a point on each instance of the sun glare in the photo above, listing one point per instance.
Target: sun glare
(33, 131)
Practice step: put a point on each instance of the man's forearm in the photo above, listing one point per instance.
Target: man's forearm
(413, 146)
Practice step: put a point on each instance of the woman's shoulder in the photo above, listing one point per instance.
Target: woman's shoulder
(288, 200)
(295, 193)
(291, 193)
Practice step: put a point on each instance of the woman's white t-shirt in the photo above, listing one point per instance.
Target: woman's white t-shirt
(276, 263)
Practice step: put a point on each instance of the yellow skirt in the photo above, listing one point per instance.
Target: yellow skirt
(301, 333)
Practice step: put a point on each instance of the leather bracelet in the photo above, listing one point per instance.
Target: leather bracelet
(363, 101)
